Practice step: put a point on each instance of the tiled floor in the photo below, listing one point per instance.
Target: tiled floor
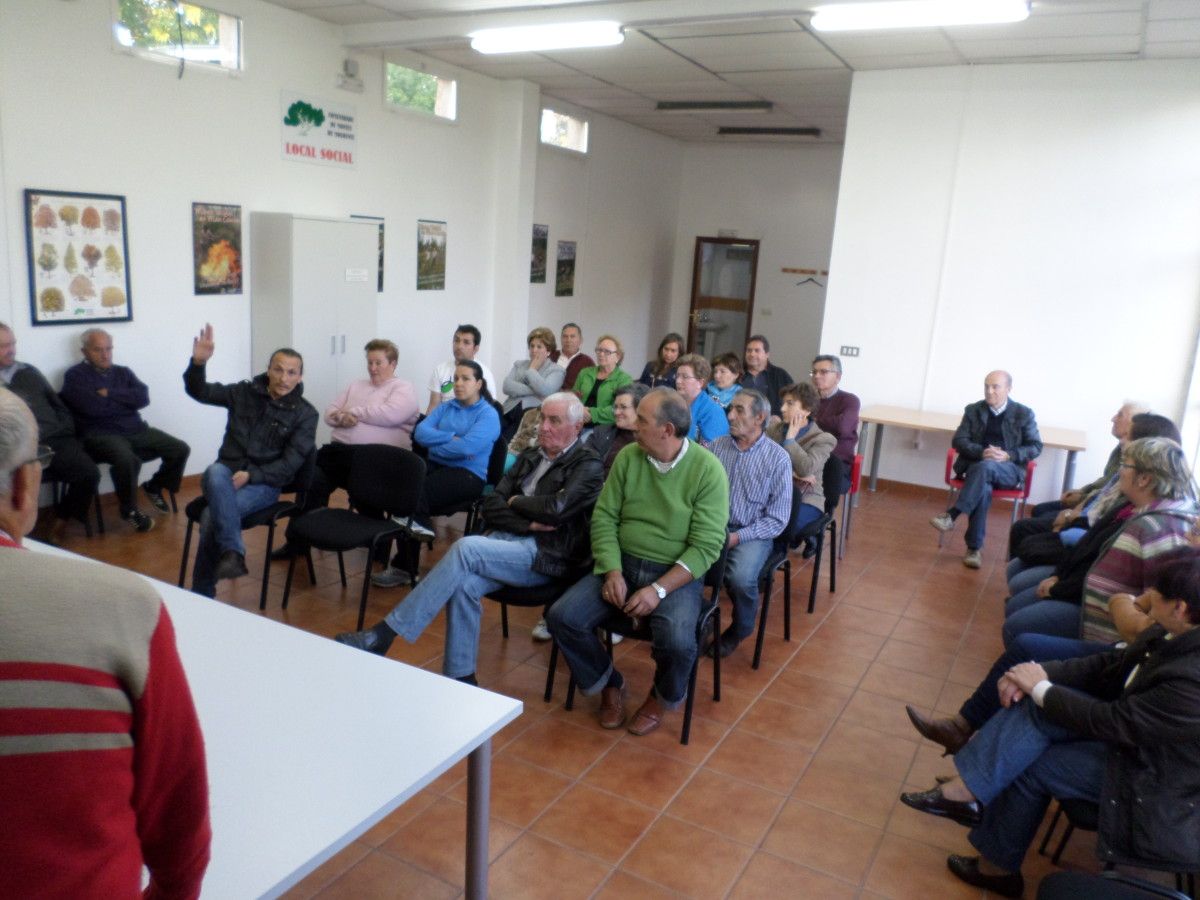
(790, 785)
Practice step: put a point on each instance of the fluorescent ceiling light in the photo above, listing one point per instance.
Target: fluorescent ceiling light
(567, 36)
(918, 14)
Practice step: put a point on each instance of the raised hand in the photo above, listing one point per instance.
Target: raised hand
(203, 346)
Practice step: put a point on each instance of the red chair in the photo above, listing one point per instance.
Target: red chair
(848, 502)
(1019, 496)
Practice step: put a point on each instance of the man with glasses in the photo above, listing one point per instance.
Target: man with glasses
(761, 374)
(837, 413)
(56, 428)
(106, 754)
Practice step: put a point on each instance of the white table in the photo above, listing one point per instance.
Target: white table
(310, 743)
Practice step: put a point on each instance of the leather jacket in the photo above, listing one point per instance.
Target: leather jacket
(564, 497)
(1021, 438)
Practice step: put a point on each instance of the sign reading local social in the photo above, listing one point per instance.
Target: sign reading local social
(318, 132)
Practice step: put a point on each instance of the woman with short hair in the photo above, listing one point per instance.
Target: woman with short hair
(596, 385)
(532, 380)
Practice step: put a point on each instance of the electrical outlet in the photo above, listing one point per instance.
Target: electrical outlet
(847, 350)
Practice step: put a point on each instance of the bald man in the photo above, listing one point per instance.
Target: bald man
(995, 439)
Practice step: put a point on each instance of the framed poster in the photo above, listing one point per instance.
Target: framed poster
(379, 219)
(431, 255)
(216, 248)
(77, 249)
(537, 260)
(564, 273)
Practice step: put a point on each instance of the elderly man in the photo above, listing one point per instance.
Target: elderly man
(538, 516)
(70, 463)
(708, 419)
(571, 357)
(995, 439)
(105, 400)
(760, 503)
(760, 373)
(104, 770)
(658, 527)
(269, 434)
(837, 413)
(441, 383)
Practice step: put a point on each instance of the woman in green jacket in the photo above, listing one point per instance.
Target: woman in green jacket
(597, 384)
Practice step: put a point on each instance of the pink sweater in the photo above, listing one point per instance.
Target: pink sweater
(386, 414)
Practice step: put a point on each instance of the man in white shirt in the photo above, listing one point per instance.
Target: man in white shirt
(441, 383)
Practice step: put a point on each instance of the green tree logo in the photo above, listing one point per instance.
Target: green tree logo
(304, 116)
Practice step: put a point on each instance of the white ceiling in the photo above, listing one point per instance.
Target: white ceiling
(707, 50)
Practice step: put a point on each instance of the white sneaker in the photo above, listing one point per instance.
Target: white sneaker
(973, 559)
(391, 577)
(616, 638)
(540, 632)
(942, 522)
(419, 531)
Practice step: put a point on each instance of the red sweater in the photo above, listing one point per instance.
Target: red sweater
(101, 757)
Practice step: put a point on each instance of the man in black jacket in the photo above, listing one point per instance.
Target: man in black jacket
(538, 516)
(270, 432)
(760, 373)
(995, 440)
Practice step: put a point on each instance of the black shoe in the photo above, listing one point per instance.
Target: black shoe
(810, 549)
(932, 802)
(726, 644)
(468, 679)
(284, 552)
(139, 520)
(364, 640)
(231, 565)
(967, 868)
(155, 498)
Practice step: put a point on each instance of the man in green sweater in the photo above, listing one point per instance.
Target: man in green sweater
(657, 528)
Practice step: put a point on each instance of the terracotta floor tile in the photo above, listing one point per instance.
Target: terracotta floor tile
(872, 751)
(926, 829)
(435, 840)
(849, 791)
(623, 886)
(633, 771)
(534, 868)
(329, 870)
(908, 870)
(936, 636)
(768, 878)
(901, 684)
(754, 759)
(842, 639)
(732, 705)
(951, 697)
(928, 764)
(917, 658)
(398, 818)
(706, 734)
(880, 713)
(687, 859)
(969, 670)
(830, 665)
(844, 616)
(595, 822)
(816, 838)
(801, 689)
(520, 792)
(709, 798)
(562, 746)
(380, 875)
(787, 724)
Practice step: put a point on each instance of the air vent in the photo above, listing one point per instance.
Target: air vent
(770, 132)
(725, 106)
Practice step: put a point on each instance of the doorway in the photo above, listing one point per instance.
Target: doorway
(724, 273)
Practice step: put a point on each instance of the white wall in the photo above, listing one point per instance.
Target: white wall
(782, 196)
(1042, 219)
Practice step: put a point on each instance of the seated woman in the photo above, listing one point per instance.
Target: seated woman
(807, 445)
(708, 419)
(1120, 729)
(597, 384)
(1155, 477)
(660, 371)
(608, 440)
(726, 370)
(530, 381)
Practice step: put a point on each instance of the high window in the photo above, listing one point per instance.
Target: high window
(564, 131)
(179, 31)
(422, 91)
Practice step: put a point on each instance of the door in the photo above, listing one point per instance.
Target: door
(723, 279)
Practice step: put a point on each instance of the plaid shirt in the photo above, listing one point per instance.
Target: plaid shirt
(760, 487)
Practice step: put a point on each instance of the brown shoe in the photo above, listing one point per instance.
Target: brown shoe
(612, 707)
(648, 717)
(952, 733)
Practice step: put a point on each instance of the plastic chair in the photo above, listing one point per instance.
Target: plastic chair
(1019, 495)
(848, 500)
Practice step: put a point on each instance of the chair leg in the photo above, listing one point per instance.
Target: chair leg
(342, 570)
(689, 702)
(266, 576)
(362, 603)
(716, 657)
(174, 505)
(99, 515)
(287, 585)
(504, 624)
(833, 557)
(1062, 845)
(312, 573)
(1050, 831)
(787, 599)
(550, 671)
(570, 694)
(816, 575)
(187, 547)
(765, 586)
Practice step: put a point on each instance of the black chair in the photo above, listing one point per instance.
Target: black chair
(1105, 886)
(382, 478)
(543, 595)
(710, 618)
(58, 488)
(268, 516)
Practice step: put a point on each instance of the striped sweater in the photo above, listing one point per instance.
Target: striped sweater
(101, 758)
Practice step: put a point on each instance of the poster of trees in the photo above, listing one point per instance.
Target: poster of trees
(564, 274)
(537, 261)
(78, 254)
(216, 248)
(431, 255)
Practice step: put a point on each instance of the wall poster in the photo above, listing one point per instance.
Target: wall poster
(431, 255)
(564, 273)
(216, 248)
(537, 264)
(379, 219)
(78, 254)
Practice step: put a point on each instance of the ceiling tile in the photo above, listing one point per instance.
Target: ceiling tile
(979, 51)
(733, 26)
(1172, 9)
(353, 14)
(1174, 29)
(877, 43)
(1049, 26)
(904, 61)
(1173, 50)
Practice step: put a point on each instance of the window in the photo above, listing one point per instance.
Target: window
(183, 31)
(564, 131)
(413, 89)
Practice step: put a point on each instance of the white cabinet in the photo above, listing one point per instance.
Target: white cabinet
(313, 288)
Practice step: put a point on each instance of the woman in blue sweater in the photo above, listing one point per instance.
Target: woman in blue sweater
(459, 435)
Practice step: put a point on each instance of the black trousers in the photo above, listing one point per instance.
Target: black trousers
(72, 466)
(125, 453)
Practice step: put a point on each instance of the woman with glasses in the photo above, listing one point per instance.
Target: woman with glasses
(660, 371)
(596, 385)
(608, 440)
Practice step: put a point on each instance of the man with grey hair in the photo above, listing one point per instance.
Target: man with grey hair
(760, 504)
(105, 400)
(538, 514)
(70, 464)
(996, 438)
(116, 769)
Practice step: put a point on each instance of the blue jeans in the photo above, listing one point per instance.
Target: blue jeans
(472, 567)
(1055, 618)
(576, 615)
(976, 495)
(1013, 766)
(1021, 575)
(744, 565)
(221, 522)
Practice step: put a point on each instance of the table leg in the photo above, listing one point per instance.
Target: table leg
(1069, 474)
(479, 789)
(875, 451)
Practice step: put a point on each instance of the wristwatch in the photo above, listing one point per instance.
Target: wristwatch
(659, 589)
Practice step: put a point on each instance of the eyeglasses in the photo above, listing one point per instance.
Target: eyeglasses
(44, 455)
(1126, 465)
(602, 351)
(823, 372)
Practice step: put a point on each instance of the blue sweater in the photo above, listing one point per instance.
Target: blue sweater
(115, 414)
(708, 419)
(460, 436)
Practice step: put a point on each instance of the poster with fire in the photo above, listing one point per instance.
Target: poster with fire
(217, 248)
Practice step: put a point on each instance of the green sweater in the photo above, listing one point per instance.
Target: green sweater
(677, 517)
(601, 413)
